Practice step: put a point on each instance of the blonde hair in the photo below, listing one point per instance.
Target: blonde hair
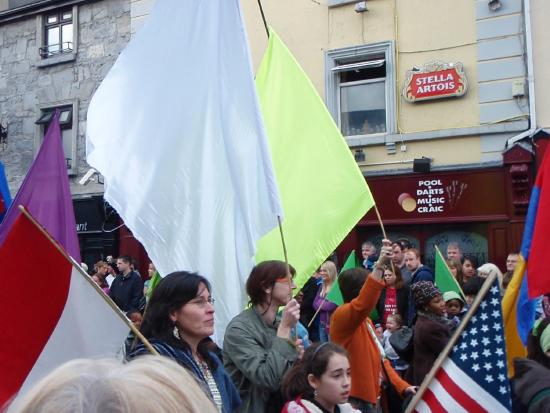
(147, 384)
(487, 269)
(330, 267)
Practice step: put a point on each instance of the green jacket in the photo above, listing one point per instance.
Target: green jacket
(256, 359)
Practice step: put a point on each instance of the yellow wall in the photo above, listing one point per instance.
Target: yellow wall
(301, 24)
(540, 10)
(449, 151)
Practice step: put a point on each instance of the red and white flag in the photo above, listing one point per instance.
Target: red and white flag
(50, 312)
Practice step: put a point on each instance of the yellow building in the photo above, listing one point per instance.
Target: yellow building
(437, 100)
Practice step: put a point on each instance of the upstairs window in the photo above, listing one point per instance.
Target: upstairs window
(360, 89)
(68, 131)
(58, 33)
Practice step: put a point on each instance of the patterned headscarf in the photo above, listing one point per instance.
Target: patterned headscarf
(423, 292)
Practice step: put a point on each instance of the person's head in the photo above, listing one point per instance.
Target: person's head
(151, 270)
(393, 278)
(96, 279)
(367, 249)
(323, 373)
(471, 288)
(488, 269)
(267, 284)
(135, 317)
(394, 322)
(469, 265)
(453, 302)
(456, 268)
(538, 343)
(328, 272)
(101, 268)
(351, 281)
(124, 264)
(428, 298)
(180, 311)
(512, 261)
(453, 251)
(412, 259)
(147, 384)
(398, 250)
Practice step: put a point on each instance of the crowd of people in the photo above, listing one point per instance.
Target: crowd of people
(294, 351)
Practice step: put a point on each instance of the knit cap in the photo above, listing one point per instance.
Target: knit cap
(452, 295)
(423, 292)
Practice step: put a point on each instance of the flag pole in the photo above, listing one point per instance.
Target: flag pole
(443, 355)
(263, 17)
(107, 299)
(383, 233)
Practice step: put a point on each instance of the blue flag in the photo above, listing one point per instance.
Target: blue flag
(5, 197)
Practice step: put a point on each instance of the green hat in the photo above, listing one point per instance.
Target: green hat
(452, 295)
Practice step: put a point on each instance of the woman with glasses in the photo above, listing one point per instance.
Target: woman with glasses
(259, 347)
(178, 322)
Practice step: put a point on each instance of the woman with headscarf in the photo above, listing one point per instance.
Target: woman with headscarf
(432, 329)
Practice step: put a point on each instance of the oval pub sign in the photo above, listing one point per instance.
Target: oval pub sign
(435, 80)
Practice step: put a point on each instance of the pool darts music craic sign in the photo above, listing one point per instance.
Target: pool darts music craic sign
(436, 80)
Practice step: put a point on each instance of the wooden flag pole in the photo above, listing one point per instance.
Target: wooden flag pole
(443, 355)
(263, 17)
(384, 234)
(107, 299)
(288, 275)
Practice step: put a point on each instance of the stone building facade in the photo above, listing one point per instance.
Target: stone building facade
(54, 54)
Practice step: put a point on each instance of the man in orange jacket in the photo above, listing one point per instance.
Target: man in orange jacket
(352, 328)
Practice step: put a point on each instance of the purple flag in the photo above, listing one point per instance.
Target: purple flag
(46, 195)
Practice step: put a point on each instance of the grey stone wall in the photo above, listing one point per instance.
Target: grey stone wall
(103, 31)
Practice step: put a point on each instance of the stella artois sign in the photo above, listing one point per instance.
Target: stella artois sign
(435, 80)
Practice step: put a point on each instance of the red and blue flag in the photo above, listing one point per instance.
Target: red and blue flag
(530, 278)
(5, 197)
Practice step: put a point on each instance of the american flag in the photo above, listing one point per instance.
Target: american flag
(473, 378)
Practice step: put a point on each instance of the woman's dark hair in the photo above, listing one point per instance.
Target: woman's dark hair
(399, 282)
(314, 361)
(263, 276)
(351, 281)
(534, 351)
(473, 285)
(472, 259)
(172, 292)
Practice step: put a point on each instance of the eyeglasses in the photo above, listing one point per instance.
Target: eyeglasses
(201, 301)
(284, 280)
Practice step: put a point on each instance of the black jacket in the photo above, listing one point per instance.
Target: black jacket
(127, 291)
(402, 305)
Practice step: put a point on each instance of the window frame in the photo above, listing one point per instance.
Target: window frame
(60, 23)
(333, 85)
(44, 60)
(68, 129)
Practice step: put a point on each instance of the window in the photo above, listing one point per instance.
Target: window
(58, 33)
(361, 89)
(68, 125)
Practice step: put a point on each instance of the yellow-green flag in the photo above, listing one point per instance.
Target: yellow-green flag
(323, 192)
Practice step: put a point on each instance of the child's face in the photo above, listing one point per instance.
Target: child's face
(453, 307)
(136, 319)
(470, 299)
(391, 324)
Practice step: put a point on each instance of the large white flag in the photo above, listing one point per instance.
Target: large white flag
(175, 129)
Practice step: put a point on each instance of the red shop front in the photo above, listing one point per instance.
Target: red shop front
(483, 210)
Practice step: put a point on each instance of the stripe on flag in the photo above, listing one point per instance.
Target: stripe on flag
(450, 402)
(52, 314)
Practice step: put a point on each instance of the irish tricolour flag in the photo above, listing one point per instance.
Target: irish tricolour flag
(51, 312)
